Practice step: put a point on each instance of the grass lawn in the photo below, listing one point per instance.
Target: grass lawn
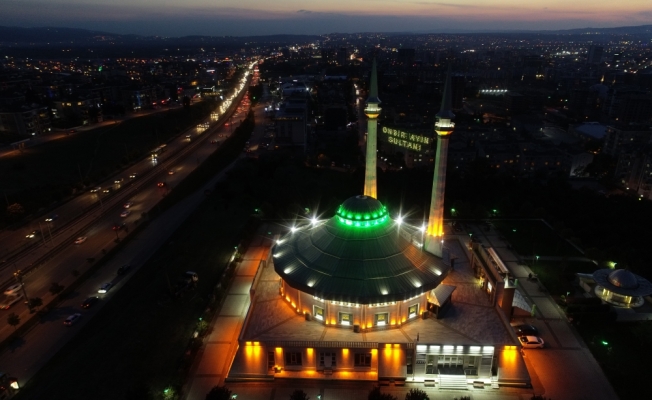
(532, 237)
(625, 356)
(49, 172)
(140, 335)
(557, 276)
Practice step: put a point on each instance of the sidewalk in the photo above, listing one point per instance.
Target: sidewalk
(221, 345)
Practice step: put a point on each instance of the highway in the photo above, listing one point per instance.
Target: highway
(27, 354)
(58, 258)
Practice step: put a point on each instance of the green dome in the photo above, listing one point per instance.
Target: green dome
(362, 212)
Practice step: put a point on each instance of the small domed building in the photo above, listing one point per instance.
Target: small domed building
(621, 287)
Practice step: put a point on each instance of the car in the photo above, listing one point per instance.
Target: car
(133, 176)
(72, 319)
(128, 204)
(119, 181)
(80, 240)
(531, 342)
(107, 190)
(124, 269)
(88, 303)
(96, 189)
(161, 184)
(10, 301)
(188, 137)
(171, 172)
(52, 218)
(72, 131)
(32, 234)
(125, 213)
(119, 227)
(526, 330)
(13, 290)
(105, 287)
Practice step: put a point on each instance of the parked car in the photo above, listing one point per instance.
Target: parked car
(526, 330)
(105, 287)
(72, 319)
(531, 342)
(13, 290)
(80, 240)
(125, 213)
(124, 269)
(88, 303)
(128, 204)
(10, 301)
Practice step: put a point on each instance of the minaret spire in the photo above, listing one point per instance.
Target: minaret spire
(372, 110)
(443, 128)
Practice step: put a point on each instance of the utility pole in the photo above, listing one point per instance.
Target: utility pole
(42, 233)
(19, 277)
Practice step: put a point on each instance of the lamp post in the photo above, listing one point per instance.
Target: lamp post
(19, 278)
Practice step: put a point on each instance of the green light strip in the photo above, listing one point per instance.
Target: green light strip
(363, 224)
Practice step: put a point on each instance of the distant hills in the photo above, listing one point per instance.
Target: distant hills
(49, 36)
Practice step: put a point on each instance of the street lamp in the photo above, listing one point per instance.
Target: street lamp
(19, 278)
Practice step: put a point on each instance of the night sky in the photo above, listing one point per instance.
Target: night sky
(263, 17)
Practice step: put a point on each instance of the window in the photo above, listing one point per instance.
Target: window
(318, 312)
(292, 358)
(327, 360)
(346, 318)
(381, 319)
(413, 310)
(362, 360)
(271, 361)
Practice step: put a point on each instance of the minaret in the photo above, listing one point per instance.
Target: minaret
(443, 128)
(372, 110)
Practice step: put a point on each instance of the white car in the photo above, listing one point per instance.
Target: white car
(128, 204)
(125, 213)
(72, 319)
(80, 240)
(531, 342)
(10, 301)
(13, 290)
(105, 287)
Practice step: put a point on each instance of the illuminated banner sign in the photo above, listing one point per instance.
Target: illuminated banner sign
(407, 140)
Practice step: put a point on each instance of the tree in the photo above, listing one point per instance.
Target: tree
(299, 395)
(13, 320)
(219, 393)
(55, 288)
(375, 394)
(35, 302)
(416, 394)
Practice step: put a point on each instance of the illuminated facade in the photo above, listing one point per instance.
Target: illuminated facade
(356, 297)
(372, 110)
(443, 128)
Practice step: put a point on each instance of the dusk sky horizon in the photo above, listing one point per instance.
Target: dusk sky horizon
(257, 17)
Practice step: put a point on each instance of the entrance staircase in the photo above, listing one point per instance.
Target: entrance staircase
(454, 382)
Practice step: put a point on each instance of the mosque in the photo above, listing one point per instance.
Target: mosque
(364, 296)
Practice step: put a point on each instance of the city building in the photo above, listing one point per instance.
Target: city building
(364, 296)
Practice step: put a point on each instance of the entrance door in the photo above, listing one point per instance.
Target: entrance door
(431, 363)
